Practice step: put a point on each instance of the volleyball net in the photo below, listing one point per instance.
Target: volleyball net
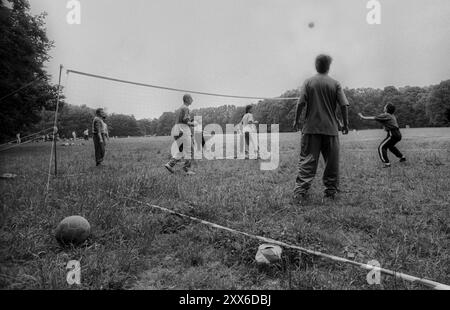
(150, 101)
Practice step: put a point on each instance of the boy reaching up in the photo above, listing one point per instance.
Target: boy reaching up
(394, 136)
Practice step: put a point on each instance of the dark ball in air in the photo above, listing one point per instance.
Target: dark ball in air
(311, 25)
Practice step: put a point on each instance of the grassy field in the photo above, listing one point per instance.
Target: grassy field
(398, 216)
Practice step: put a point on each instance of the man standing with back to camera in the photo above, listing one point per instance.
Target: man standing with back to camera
(320, 133)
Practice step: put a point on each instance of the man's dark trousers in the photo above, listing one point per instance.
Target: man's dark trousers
(99, 146)
(311, 147)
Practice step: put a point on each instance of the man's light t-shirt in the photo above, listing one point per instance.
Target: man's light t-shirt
(247, 126)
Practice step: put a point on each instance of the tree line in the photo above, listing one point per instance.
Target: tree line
(416, 107)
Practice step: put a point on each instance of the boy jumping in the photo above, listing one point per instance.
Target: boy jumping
(394, 136)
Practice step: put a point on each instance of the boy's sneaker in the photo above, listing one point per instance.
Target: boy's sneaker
(190, 172)
(299, 199)
(168, 167)
(403, 159)
(387, 165)
(328, 198)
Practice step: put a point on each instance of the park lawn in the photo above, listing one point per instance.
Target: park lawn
(398, 216)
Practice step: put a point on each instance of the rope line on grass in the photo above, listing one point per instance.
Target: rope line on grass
(49, 167)
(18, 144)
(403, 276)
(178, 89)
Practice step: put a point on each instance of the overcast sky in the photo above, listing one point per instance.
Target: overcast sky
(243, 47)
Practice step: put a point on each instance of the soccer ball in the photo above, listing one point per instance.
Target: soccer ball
(72, 230)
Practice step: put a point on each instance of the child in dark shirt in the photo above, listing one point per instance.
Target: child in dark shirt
(394, 136)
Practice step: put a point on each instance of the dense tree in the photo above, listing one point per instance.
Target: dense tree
(367, 101)
(147, 126)
(24, 48)
(122, 125)
(438, 105)
(218, 115)
(74, 119)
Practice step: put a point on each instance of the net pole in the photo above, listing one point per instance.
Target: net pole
(56, 120)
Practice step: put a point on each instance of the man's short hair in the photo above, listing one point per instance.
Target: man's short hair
(248, 108)
(323, 63)
(187, 98)
(99, 112)
(390, 108)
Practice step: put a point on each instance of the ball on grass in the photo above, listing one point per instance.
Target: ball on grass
(73, 230)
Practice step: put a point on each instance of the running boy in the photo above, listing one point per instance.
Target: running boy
(394, 136)
(183, 138)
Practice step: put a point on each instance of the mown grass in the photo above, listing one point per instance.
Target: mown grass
(398, 216)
